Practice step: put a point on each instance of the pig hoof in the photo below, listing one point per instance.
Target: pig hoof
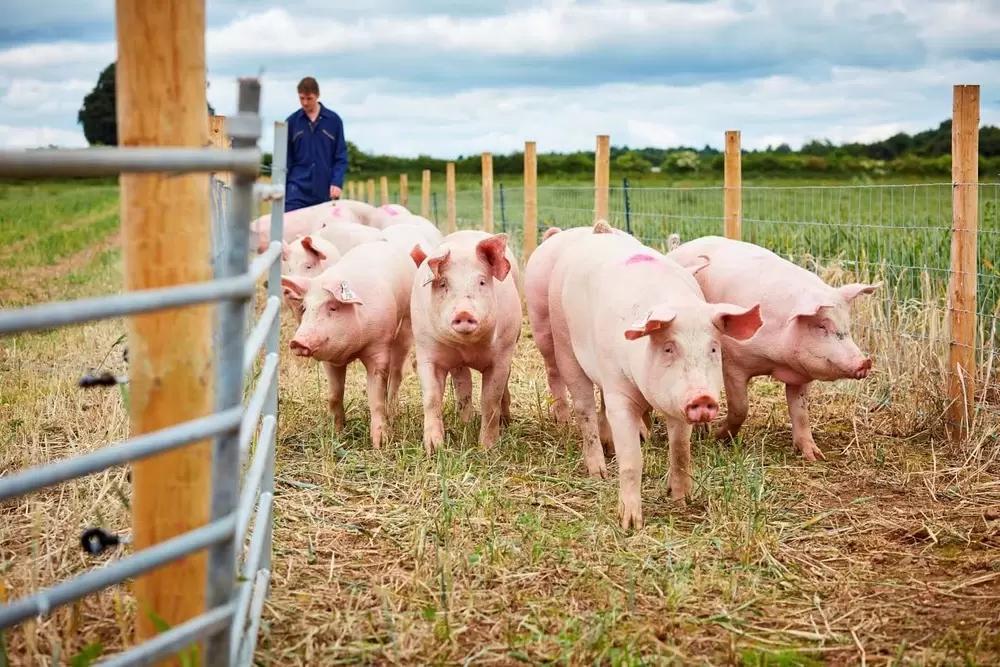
(630, 514)
(559, 411)
(725, 433)
(609, 449)
(466, 413)
(810, 452)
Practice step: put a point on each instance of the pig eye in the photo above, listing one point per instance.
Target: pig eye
(332, 307)
(442, 284)
(822, 328)
(668, 348)
(715, 348)
(482, 282)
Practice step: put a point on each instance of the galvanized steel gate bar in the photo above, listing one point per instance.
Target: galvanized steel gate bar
(231, 623)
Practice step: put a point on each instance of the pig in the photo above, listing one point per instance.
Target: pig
(634, 323)
(388, 214)
(806, 334)
(351, 312)
(350, 210)
(466, 312)
(308, 256)
(537, 273)
(297, 223)
(406, 237)
(347, 235)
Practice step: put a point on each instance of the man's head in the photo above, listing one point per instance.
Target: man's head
(309, 94)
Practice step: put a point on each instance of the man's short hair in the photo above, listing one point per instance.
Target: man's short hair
(308, 86)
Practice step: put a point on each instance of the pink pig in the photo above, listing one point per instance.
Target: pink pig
(350, 210)
(806, 334)
(297, 223)
(347, 235)
(308, 256)
(351, 312)
(466, 315)
(633, 322)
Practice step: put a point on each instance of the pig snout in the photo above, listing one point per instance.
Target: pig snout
(300, 347)
(464, 322)
(862, 370)
(701, 409)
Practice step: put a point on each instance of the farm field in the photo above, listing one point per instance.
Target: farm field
(884, 553)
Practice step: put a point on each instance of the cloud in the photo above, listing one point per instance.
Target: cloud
(33, 137)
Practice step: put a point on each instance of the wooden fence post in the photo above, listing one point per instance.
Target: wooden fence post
(371, 191)
(449, 184)
(404, 190)
(219, 139)
(384, 186)
(425, 194)
(530, 201)
(602, 177)
(962, 304)
(161, 102)
(488, 193)
(733, 191)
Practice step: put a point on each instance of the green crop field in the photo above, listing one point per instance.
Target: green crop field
(884, 553)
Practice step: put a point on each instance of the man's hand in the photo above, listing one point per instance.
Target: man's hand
(335, 192)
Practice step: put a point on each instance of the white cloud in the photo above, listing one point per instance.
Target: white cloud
(33, 137)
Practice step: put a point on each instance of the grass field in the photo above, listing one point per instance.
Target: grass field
(885, 553)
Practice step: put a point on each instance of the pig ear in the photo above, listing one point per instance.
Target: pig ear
(809, 305)
(295, 287)
(342, 292)
(437, 263)
(493, 251)
(307, 243)
(700, 263)
(602, 227)
(736, 321)
(854, 290)
(657, 318)
(418, 255)
(673, 242)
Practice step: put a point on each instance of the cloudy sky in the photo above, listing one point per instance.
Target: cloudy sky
(450, 78)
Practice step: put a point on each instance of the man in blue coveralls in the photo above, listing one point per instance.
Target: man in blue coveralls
(317, 151)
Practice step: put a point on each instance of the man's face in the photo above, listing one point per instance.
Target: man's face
(309, 102)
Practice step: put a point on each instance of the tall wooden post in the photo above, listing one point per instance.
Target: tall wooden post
(530, 200)
(384, 187)
(350, 189)
(733, 191)
(371, 191)
(602, 177)
(488, 193)
(166, 237)
(964, 248)
(449, 185)
(425, 193)
(219, 139)
(404, 190)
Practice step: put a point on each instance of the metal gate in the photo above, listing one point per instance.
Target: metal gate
(244, 433)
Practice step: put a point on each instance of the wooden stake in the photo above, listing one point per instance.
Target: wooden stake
(449, 184)
(166, 236)
(962, 283)
(602, 177)
(733, 192)
(425, 194)
(371, 191)
(530, 200)
(404, 190)
(487, 193)
(384, 186)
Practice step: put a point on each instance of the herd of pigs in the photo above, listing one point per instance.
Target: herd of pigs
(650, 331)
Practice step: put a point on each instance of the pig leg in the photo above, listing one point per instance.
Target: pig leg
(679, 477)
(336, 376)
(505, 404)
(542, 333)
(604, 428)
(461, 381)
(798, 410)
(432, 379)
(647, 425)
(378, 382)
(494, 386)
(585, 407)
(625, 420)
(398, 354)
(737, 402)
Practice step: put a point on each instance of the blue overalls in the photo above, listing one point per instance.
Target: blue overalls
(317, 158)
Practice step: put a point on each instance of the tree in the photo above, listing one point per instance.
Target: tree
(97, 115)
(632, 162)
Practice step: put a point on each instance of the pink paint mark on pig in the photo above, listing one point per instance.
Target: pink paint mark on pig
(338, 212)
(639, 259)
(390, 209)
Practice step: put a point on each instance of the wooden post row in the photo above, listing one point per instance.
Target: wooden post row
(384, 186)
(488, 193)
(530, 200)
(449, 184)
(404, 190)
(161, 102)
(964, 248)
(425, 193)
(602, 177)
(733, 190)
(371, 191)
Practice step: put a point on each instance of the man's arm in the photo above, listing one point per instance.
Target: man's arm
(339, 162)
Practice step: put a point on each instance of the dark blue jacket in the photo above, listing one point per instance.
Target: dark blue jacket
(317, 158)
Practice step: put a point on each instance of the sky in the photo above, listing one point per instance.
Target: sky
(454, 78)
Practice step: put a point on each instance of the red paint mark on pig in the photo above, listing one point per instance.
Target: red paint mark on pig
(639, 258)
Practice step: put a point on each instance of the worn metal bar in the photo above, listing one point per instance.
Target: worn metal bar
(173, 640)
(255, 475)
(260, 586)
(44, 601)
(133, 449)
(229, 382)
(261, 330)
(61, 313)
(255, 406)
(111, 161)
(265, 261)
(254, 554)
